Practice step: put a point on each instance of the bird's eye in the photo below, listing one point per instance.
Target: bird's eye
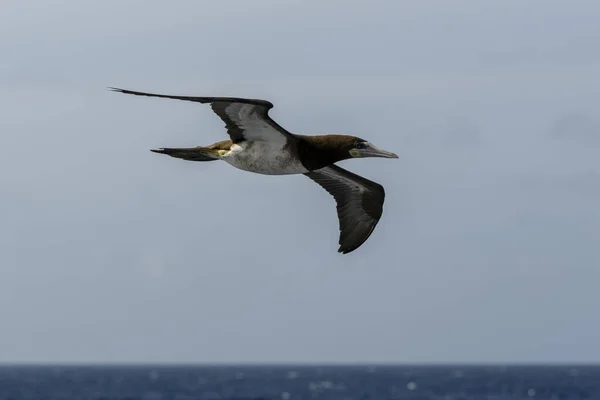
(360, 145)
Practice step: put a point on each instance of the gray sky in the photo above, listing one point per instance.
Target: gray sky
(488, 248)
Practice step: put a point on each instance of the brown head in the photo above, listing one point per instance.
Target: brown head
(334, 148)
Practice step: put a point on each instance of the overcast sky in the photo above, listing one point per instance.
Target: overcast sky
(488, 249)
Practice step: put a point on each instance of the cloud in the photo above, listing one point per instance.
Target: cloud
(576, 128)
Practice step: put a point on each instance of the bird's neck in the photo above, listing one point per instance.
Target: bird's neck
(324, 150)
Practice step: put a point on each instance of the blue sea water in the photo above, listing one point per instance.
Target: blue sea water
(300, 382)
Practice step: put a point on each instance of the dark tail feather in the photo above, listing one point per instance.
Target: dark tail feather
(191, 154)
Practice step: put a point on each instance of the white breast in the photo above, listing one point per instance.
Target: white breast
(263, 158)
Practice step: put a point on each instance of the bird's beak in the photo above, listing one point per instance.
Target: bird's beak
(373, 151)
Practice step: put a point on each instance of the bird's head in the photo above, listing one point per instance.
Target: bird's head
(362, 148)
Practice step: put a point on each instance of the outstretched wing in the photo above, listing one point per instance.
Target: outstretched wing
(245, 119)
(359, 204)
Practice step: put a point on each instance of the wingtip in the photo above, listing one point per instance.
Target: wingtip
(114, 89)
(344, 250)
(160, 151)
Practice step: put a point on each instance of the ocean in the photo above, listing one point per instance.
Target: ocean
(298, 382)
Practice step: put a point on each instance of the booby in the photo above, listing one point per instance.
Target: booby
(258, 144)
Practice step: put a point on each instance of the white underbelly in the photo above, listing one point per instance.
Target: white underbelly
(263, 158)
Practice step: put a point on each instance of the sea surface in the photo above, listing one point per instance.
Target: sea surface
(298, 382)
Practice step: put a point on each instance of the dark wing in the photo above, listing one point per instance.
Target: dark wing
(245, 119)
(359, 204)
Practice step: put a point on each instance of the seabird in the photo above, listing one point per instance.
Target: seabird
(258, 144)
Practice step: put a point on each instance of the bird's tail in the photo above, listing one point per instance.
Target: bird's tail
(191, 154)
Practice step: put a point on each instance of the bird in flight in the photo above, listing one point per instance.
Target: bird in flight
(258, 144)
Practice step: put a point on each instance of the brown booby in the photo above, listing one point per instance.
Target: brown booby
(258, 144)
